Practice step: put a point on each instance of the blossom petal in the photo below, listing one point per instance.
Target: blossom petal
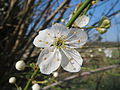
(47, 36)
(71, 60)
(49, 60)
(43, 39)
(82, 21)
(76, 38)
(59, 30)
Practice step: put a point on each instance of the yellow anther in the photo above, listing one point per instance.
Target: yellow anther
(48, 33)
(46, 42)
(58, 59)
(71, 59)
(93, 2)
(45, 58)
(39, 40)
(64, 47)
(78, 41)
(81, 46)
(53, 23)
(75, 32)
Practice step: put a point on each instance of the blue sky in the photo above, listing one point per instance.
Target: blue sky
(97, 11)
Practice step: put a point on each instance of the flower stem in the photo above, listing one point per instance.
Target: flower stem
(87, 8)
(82, 7)
(91, 27)
(16, 86)
(30, 80)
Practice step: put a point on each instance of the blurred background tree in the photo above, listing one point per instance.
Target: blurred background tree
(20, 21)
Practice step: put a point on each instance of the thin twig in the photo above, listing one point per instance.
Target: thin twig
(82, 75)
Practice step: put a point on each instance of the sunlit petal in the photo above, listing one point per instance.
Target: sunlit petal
(43, 39)
(71, 60)
(76, 38)
(59, 30)
(49, 60)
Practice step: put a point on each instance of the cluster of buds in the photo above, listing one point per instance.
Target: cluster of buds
(104, 24)
(20, 65)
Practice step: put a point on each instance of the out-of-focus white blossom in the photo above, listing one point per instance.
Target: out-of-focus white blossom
(90, 51)
(108, 52)
(20, 65)
(59, 43)
(12, 80)
(91, 55)
(36, 87)
(99, 49)
(55, 74)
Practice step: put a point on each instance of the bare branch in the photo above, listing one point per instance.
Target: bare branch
(82, 75)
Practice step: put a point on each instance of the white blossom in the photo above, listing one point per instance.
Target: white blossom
(91, 55)
(55, 74)
(20, 65)
(59, 43)
(108, 52)
(12, 80)
(99, 49)
(36, 87)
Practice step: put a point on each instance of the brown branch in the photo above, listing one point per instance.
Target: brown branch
(20, 29)
(38, 20)
(54, 13)
(82, 75)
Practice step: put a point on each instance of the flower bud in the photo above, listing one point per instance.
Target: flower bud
(12, 80)
(20, 65)
(55, 74)
(62, 20)
(101, 30)
(36, 87)
(104, 23)
(93, 2)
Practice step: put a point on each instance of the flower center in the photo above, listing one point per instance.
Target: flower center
(58, 42)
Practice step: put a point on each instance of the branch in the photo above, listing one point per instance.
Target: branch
(54, 13)
(82, 75)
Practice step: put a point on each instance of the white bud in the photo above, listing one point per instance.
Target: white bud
(20, 65)
(62, 20)
(12, 80)
(36, 87)
(55, 74)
